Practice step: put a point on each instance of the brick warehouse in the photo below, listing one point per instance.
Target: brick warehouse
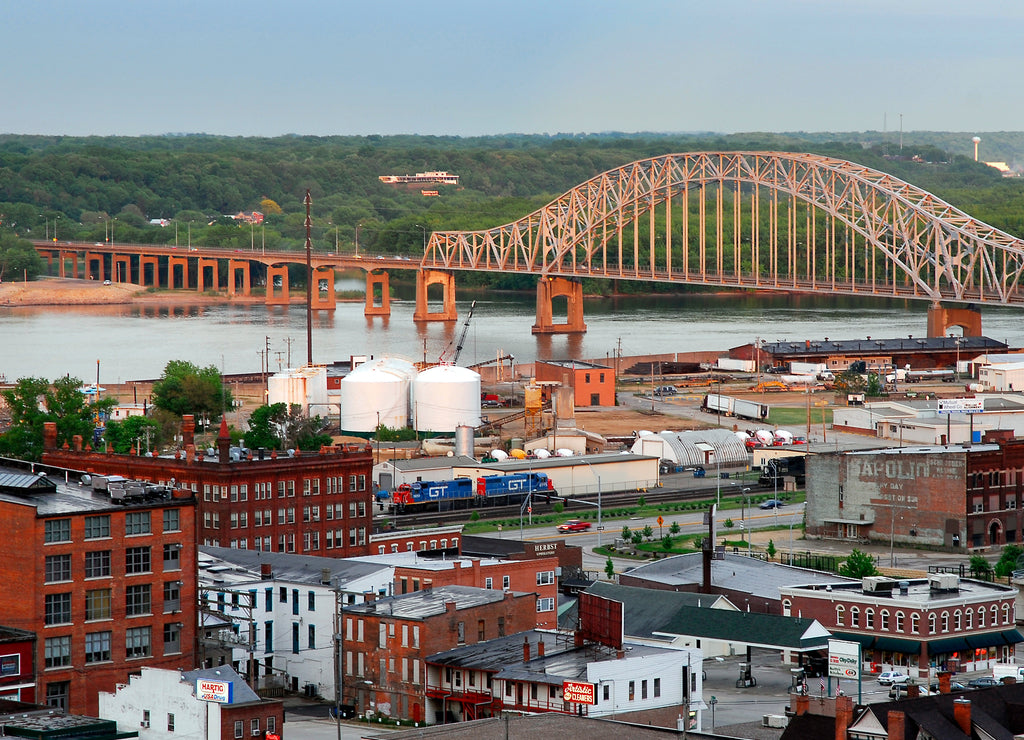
(386, 641)
(309, 503)
(952, 496)
(107, 587)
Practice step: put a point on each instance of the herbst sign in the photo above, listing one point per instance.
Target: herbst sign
(578, 691)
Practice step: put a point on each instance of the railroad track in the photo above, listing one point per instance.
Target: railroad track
(540, 506)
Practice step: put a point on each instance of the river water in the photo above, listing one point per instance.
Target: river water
(134, 342)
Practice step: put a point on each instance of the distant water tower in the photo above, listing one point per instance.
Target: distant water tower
(976, 140)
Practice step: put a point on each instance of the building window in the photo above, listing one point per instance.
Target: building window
(545, 577)
(172, 557)
(545, 605)
(254, 726)
(632, 690)
(506, 582)
(136, 560)
(97, 604)
(268, 637)
(489, 583)
(1006, 614)
(271, 724)
(170, 722)
(239, 728)
(58, 652)
(970, 619)
(97, 647)
(643, 689)
(945, 621)
(995, 615)
(312, 637)
(58, 609)
(869, 618)
(958, 620)
(57, 530)
(915, 623)
(138, 642)
(172, 638)
(138, 600)
(657, 688)
(58, 568)
(137, 522)
(840, 615)
(58, 694)
(97, 564)
(311, 601)
(854, 616)
(931, 624)
(899, 621)
(884, 620)
(172, 520)
(97, 527)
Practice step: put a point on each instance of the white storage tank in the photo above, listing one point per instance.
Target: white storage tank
(376, 392)
(303, 386)
(444, 398)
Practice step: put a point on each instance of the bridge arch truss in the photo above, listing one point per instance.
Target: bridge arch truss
(762, 220)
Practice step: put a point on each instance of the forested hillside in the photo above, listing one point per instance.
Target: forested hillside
(100, 188)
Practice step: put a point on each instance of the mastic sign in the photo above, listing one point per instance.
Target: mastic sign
(578, 691)
(843, 659)
(215, 691)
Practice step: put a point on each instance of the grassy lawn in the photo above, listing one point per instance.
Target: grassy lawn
(794, 416)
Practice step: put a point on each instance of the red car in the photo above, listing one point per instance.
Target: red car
(574, 525)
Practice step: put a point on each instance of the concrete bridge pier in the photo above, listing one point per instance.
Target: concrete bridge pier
(122, 268)
(426, 278)
(941, 319)
(373, 281)
(555, 287)
(154, 275)
(323, 300)
(64, 256)
(277, 296)
(234, 267)
(90, 258)
(173, 262)
(202, 264)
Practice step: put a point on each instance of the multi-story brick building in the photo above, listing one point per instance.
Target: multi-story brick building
(385, 641)
(309, 503)
(592, 385)
(954, 496)
(105, 582)
(918, 625)
(532, 576)
(17, 665)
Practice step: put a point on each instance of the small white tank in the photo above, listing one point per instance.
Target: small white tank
(444, 398)
(376, 392)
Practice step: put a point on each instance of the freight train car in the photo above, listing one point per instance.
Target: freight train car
(463, 493)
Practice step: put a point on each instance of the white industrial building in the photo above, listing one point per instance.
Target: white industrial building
(578, 475)
(1002, 377)
(304, 386)
(707, 447)
(919, 421)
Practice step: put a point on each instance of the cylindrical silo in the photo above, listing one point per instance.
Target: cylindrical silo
(444, 398)
(464, 440)
(375, 393)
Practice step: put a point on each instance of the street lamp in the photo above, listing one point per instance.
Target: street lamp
(747, 534)
(424, 229)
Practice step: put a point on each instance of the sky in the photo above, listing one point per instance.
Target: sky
(488, 67)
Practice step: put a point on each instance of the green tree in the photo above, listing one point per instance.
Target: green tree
(279, 427)
(1007, 562)
(34, 401)
(609, 569)
(857, 565)
(850, 382)
(874, 387)
(187, 389)
(771, 549)
(728, 524)
(627, 535)
(266, 427)
(667, 542)
(674, 529)
(135, 430)
(648, 533)
(18, 258)
(641, 501)
(638, 538)
(980, 567)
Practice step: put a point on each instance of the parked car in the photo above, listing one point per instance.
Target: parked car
(772, 503)
(953, 686)
(982, 682)
(490, 403)
(899, 691)
(699, 472)
(888, 678)
(574, 525)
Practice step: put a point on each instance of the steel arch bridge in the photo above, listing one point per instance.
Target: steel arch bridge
(759, 220)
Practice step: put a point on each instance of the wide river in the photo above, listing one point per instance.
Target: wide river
(135, 342)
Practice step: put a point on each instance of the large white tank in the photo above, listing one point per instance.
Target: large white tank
(444, 398)
(376, 392)
(304, 386)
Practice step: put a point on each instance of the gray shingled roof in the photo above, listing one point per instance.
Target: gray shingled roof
(295, 568)
(240, 691)
(423, 604)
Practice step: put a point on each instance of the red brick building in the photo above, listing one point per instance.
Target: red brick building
(593, 385)
(917, 625)
(385, 642)
(308, 503)
(17, 665)
(106, 586)
(531, 576)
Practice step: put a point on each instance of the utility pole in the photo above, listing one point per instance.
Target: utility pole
(309, 282)
(288, 341)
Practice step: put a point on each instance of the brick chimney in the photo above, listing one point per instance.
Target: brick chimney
(945, 684)
(962, 715)
(844, 716)
(526, 649)
(49, 435)
(224, 442)
(540, 648)
(896, 725)
(449, 607)
(76, 443)
(913, 691)
(266, 571)
(188, 430)
(803, 703)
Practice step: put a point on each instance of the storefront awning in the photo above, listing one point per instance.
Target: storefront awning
(948, 645)
(895, 645)
(995, 639)
(866, 641)
(868, 519)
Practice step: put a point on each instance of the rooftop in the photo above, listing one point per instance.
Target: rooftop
(305, 569)
(240, 691)
(53, 495)
(919, 591)
(544, 726)
(574, 364)
(824, 347)
(430, 603)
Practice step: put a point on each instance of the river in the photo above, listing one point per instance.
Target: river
(134, 342)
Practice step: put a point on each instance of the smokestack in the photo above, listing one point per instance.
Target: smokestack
(223, 441)
(49, 435)
(844, 716)
(266, 571)
(526, 649)
(945, 685)
(540, 648)
(803, 703)
(962, 715)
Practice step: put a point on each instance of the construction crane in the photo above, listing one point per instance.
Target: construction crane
(462, 340)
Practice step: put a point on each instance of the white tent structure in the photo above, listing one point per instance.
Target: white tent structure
(698, 447)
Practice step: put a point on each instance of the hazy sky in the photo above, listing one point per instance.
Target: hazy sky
(530, 66)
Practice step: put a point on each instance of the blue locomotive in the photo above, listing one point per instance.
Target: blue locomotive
(463, 493)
